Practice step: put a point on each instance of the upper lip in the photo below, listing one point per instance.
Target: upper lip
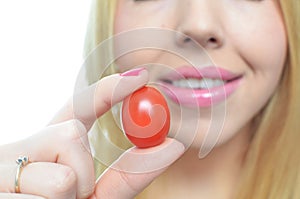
(211, 72)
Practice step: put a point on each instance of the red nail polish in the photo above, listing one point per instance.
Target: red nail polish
(133, 72)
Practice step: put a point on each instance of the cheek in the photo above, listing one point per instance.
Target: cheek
(139, 58)
(264, 46)
(129, 17)
(268, 51)
(265, 54)
(126, 47)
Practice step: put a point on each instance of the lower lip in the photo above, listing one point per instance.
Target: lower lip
(200, 98)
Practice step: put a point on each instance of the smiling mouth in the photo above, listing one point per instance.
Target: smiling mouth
(199, 84)
(200, 87)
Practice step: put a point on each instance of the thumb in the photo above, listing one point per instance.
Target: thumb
(136, 169)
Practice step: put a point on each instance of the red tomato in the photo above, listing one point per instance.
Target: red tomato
(146, 117)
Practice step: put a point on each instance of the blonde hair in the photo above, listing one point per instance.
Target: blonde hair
(272, 165)
(100, 28)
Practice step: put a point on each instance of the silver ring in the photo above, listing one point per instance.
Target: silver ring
(22, 161)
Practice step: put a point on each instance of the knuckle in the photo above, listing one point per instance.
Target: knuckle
(74, 129)
(85, 191)
(65, 181)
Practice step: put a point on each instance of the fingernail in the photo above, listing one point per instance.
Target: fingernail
(133, 72)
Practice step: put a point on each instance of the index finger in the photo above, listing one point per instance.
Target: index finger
(95, 100)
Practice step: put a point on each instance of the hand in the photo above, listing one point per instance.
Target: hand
(61, 163)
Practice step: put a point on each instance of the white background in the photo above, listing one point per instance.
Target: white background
(41, 46)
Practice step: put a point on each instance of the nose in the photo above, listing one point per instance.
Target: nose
(199, 21)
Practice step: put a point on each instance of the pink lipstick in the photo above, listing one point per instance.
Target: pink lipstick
(199, 87)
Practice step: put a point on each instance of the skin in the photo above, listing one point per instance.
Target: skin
(61, 163)
(223, 29)
(245, 37)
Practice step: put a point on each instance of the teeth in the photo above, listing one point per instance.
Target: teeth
(193, 83)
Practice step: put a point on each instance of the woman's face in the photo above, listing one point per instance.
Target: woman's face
(245, 40)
